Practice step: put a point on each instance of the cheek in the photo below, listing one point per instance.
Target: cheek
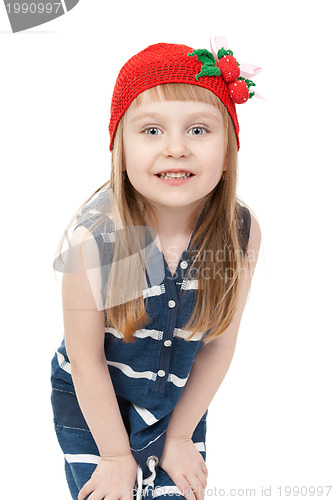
(215, 162)
(130, 154)
(215, 159)
(219, 156)
(135, 150)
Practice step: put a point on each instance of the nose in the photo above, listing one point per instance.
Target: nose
(175, 146)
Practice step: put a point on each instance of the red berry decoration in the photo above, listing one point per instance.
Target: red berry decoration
(229, 68)
(238, 91)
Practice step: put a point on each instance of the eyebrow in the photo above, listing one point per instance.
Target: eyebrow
(147, 115)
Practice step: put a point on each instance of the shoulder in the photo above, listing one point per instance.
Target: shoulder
(90, 226)
(81, 234)
(95, 224)
(83, 252)
(96, 214)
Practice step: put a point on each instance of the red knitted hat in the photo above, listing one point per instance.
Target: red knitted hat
(172, 63)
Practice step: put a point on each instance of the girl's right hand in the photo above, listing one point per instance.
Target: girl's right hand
(114, 478)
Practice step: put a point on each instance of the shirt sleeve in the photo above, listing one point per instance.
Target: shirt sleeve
(95, 216)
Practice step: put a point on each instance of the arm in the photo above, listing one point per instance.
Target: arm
(213, 360)
(84, 338)
(208, 371)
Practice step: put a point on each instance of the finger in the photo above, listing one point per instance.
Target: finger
(188, 485)
(85, 491)
(184, 488)
(187, 492)
(196, 487)
(203, 482)
(190, 489)
(204, 468)
(95, 495)
(202, 477)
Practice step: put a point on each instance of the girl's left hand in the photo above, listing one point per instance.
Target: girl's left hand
(186, 467)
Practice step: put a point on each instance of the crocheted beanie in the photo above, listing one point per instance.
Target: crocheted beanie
(165, 63)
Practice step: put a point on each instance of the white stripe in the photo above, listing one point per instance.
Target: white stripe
(154, 334)
(145, 415)
(63, 363)
(150, 442)
(200, 446)
(93, 211)
(179, 382)
(127, 370)
(82, 459)
(108, 237)
(154, 290)
(190, 285)
(166, 490)
(114, 332)
(178, 332)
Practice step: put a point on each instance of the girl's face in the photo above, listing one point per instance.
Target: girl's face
(173, 137)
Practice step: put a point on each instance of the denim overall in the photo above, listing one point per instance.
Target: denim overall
(148, 377)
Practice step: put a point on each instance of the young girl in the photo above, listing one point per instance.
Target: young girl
(155, 282)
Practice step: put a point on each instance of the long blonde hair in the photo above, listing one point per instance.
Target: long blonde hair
(220, 226)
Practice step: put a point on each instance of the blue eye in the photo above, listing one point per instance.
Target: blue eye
(154, 131)
(198, 130)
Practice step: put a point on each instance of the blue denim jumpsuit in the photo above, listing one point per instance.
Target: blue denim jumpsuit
(148, 377)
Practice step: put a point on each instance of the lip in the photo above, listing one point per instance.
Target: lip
(175, 171)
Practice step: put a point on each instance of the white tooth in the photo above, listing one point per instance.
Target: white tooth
(174, 175)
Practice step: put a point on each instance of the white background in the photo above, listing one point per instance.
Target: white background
(270, 423)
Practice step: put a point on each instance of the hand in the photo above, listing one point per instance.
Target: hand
(186, 467)
(114, 478)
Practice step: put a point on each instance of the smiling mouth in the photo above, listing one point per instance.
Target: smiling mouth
(174, 175)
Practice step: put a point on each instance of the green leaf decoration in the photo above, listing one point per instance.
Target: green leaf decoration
(204, 56)
(222, 52)
(209, 67)
(208, 71)
(249, 84)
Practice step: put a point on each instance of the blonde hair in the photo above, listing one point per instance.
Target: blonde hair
(221, 224)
